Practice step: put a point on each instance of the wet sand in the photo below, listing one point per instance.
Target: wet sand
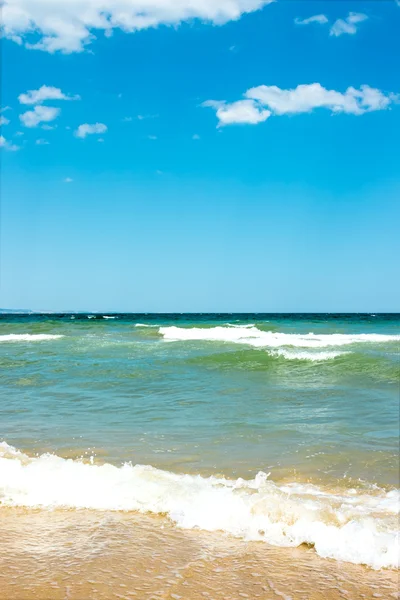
(85, 555)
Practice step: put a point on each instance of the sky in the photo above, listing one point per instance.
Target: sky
(200, 156)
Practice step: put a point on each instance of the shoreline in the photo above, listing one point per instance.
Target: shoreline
(358, 526)
(53, 555)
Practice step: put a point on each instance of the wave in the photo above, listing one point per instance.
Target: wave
(268, 339)
(354, 526)
(304, 355)
(28, 337)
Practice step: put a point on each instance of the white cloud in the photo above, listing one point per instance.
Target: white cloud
(69, 25)
(263, 101)
(7, 145)
(87, 129)
(347, 25)
(304, 98)
(42, 142)
(4, 121)
(4, 108)
(39, 114)
(68, 180)
(127, 120)
(321, 19)
(240, 112)
(19, 133)
(48, 127)
(44, 93)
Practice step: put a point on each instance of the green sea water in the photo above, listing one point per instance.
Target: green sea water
(223, 394)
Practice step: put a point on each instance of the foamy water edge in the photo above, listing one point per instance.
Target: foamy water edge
(357, 527)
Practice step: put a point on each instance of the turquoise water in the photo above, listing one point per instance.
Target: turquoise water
(120, 391)
(275, 428)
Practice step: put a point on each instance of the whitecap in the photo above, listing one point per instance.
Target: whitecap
(349, 525)
(28, 337)
(305, 355)
(257, 338)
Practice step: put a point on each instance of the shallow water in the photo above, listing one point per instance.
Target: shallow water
(310, 401)
(86, 555)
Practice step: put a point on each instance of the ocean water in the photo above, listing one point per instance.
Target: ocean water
(279, 429)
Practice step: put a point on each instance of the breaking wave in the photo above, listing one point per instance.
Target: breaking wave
(277, 344)
(28, 337)
(304, 355)
(355, 526)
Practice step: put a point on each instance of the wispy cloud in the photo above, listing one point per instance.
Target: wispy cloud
(90, 129)
(39, 114)
(195, 137)
(42, 142)
(142, 117)
(6, 145)
(67, 26)
(68, 180)
(321, 19)
(152, 137)
(348, 25)
(264, 101)
(4, 121)
(44, 93)
(339, 27)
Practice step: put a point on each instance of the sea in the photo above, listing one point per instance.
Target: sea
(199, 456)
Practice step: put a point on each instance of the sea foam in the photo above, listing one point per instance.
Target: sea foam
(305, 355)
(28, 337)
(349, 525)
(271, 340)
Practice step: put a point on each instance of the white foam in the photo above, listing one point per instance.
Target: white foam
(28, 337)
(144, 325)
(107, 317)
(357, 527)
(247, 326)
(269, 339)
(314, 356)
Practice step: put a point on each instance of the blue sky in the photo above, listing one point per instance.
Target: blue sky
(210, 156)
